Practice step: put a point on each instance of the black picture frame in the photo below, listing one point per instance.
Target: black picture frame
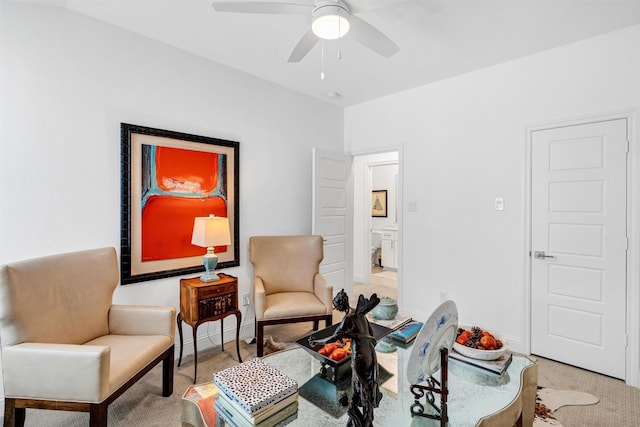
(133, 137)
(379, 203)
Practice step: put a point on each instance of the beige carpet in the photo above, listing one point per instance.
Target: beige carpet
(387, 274)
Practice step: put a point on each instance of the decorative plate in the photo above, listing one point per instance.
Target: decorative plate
(438, 331)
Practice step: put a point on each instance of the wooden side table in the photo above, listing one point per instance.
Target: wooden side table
(202, 302)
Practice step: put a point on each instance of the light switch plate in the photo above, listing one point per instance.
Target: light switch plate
(499, 204)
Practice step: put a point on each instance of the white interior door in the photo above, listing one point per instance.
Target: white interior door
(579, 245)
(332, 213)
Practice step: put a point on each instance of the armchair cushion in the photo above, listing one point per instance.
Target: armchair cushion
(129, 354)
(292, 304)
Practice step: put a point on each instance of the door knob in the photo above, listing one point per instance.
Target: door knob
(542, 255)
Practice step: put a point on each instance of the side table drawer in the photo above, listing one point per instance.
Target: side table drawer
(216, 290)
(216, 305)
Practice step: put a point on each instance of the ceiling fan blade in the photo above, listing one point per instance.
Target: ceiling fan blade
(304, 46)
(358, 6)
(280, 8)
(371, 37)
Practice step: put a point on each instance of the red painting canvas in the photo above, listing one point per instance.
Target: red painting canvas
(177, 186)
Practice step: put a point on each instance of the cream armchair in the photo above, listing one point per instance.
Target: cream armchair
(287, 284)
(65, 346)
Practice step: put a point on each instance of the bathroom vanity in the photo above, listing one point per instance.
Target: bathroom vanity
(389, 244)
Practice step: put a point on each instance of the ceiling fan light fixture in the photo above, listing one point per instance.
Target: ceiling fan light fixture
(330, 22)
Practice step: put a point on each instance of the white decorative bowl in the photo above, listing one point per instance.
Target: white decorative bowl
(474, 353)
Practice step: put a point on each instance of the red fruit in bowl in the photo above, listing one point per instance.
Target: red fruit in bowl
(488, 342)
(462, 339)
(338, 354)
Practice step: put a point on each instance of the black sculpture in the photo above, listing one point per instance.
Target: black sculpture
(364, 364)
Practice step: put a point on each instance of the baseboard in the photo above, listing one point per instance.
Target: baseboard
(360, 279)
(212, 338)
(515, 344)
(636, 376)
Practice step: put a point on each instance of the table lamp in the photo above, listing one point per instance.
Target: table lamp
(210, 231)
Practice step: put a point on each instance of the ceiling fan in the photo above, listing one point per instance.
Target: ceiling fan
(330, 19)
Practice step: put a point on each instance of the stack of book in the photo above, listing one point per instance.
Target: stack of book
(255, 394)
(406, 333)
(392, 324)
(497, 366)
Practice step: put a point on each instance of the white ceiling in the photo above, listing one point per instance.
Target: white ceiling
(437, 38)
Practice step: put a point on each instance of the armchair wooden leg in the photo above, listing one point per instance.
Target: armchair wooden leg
(13, 417)
(179, 321)
(316, 325)
(98, 415)
(259, 339)
(9, 412)
(21, 416)
(167, 373)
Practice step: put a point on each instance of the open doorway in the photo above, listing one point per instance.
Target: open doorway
(377, 221)
(384, 224)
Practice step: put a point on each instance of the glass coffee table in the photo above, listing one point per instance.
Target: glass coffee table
(476, 397)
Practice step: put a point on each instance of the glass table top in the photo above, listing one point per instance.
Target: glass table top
(473, 392)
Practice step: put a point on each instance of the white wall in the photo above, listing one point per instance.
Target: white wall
(464, 144)
(68, 81)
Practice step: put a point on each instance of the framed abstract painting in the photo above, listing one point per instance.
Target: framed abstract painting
(168, 179)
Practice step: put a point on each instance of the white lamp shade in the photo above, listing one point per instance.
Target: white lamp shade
(211, 231)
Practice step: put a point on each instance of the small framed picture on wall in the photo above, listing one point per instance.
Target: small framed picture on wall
(379, 203)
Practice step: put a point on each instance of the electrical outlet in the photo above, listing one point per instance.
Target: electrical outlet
(245, 300)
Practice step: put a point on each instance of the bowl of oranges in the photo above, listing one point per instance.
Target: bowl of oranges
(478, 343)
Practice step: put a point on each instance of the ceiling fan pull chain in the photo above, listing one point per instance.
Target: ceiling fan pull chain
(339, 55)
(322, 62)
